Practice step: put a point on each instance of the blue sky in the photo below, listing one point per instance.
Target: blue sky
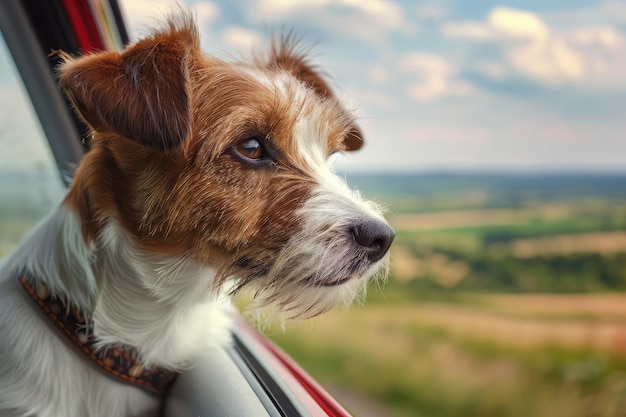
(466, 85)
(453, 84)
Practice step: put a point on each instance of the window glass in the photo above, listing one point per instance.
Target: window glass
(30, 185)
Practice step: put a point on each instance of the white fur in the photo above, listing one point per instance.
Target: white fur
(319, 253)
(161, 305)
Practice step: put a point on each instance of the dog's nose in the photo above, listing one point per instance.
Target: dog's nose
(374, 237)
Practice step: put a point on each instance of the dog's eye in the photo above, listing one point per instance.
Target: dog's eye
(251, 149)
(256, 151)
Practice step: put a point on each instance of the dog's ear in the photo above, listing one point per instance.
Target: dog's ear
(140, 93)
(284, 54)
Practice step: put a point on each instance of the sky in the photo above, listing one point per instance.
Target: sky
(440, 85)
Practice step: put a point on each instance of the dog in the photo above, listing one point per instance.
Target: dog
(206, 178)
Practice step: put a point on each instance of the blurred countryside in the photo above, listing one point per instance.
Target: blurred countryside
(506, 298)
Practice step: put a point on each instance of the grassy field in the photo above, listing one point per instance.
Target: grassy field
(506, 299)
(488, 355)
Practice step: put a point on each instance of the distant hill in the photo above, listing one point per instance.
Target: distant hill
(473, 190)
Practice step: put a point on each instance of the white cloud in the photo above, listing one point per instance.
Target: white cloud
(517, 24)
(205, 11)
(432, 77)
(603, 36)
(144, 15)
(378, 74)
(386, 12)
(425, 63)
(589, 55)
(501, 23)
(551, 62)
(241, 38)
(363, 19)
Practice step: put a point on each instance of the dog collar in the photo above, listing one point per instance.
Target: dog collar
(118, 361)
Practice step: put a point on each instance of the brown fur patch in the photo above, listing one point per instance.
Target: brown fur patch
(140, 94)
(284, 54)
(165, 119)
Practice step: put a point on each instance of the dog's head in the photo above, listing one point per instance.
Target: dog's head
(225, 164)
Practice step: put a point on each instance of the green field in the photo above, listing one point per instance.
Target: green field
(505, 299)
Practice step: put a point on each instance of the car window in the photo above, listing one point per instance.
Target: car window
(30, 185)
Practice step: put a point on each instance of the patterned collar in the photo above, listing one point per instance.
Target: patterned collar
(117, 361)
